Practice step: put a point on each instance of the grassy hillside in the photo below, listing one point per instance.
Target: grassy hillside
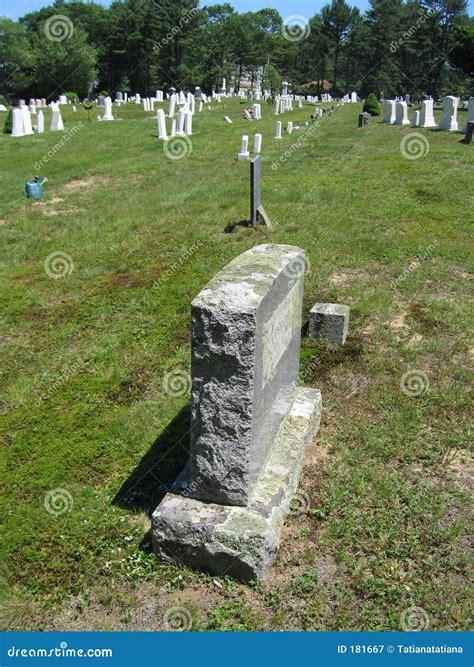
(96, 368)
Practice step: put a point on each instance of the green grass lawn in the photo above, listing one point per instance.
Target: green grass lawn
(383, 525)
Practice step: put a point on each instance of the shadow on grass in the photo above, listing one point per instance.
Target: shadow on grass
(242, 223)
(148, 483)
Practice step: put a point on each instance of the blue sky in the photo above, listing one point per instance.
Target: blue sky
(16, 8)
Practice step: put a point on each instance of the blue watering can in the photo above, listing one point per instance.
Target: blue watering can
(34, 187)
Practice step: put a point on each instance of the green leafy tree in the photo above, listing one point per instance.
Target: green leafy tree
(17, 59)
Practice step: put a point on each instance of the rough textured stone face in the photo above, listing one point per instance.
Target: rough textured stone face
(240, 541)
(246, 330)
(329, 321)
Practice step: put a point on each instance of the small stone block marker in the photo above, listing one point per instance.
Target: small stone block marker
(250, 421)
(329, 321)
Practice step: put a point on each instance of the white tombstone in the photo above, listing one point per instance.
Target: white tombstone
(17, 123)
(40, 122)
(192, 104)
(173, 128)
(38, 103)
(56, 122)
(278, 130)
(401, 113)
(284, 88)
(227, 119)
(182, 98)
(27, 127)
(449, 121)
(160, 114)
(43, 102)
(188, 122)
(277, 107)
(125, 97)
(108, 109)
(180, 129)
(300, 103)
(172, 106)
(426, 114)
(470, 113)
(32, 108)
(62, 99)
(244, 148)
(200, 105)
(138, 99)
(415, 121)
(353, 97)
(257, 144)
(223, 89)
(289, 127)
(389, 112)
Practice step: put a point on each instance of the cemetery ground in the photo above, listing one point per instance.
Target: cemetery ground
(96, 370)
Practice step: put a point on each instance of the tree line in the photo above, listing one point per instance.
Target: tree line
(420, 47)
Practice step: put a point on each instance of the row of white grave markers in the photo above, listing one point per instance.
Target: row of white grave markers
(396, 113)
(21, 121)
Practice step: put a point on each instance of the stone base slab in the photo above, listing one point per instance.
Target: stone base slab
(240, 541)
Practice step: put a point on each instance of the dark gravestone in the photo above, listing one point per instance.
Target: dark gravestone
(364, 119)
(257, 212)
(469, 132)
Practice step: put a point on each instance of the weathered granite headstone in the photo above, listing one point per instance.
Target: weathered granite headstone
(250, 420)
(278, 130)
(364, 118)
(470, 112)
(468, 133)
(449, 122)
(329, 321)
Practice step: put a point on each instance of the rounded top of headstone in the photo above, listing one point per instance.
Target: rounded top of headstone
(244, 282)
